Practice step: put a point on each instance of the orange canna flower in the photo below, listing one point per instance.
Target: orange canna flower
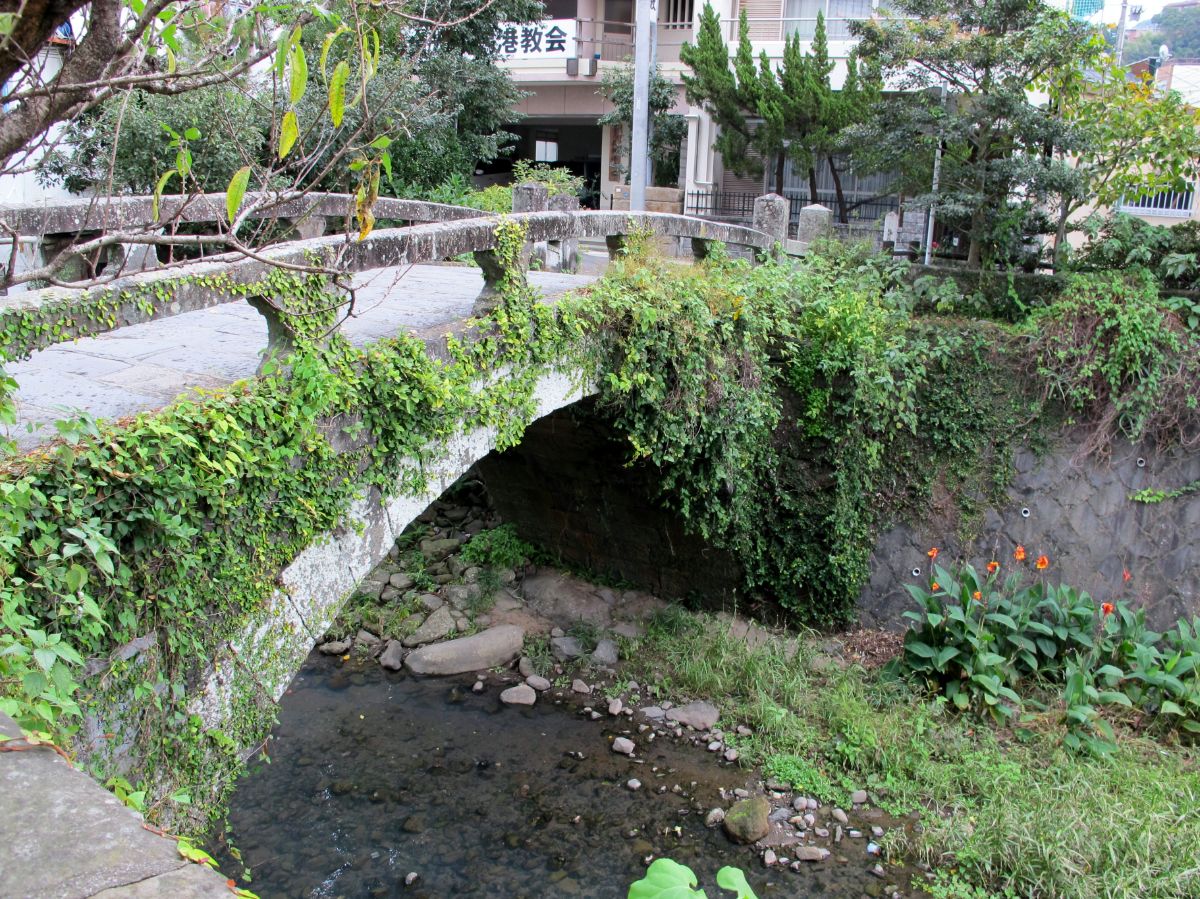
(1042, 562)
(993, 566)
(1125, 575)
(977, 596)
(933, 554)
(1106, 608)
(1019, 553)
(935, 586)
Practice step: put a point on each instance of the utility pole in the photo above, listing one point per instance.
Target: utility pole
(645, 33)
(1121, 33)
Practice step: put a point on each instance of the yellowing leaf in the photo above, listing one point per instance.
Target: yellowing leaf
(289, 131)
(158, 189)
(337, 93)
(235, 191)
(299, 73)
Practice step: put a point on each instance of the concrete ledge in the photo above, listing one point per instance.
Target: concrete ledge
(63, 836)
(75, 215)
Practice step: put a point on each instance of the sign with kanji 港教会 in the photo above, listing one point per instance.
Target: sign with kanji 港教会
(547, 39)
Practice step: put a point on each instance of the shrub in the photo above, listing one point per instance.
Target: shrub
(1120, 242)
(1119, 359)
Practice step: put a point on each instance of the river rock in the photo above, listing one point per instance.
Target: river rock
(840, 816)
(366, 638)
(634, 784)
(615, 706)
(566, 648)
(747, 820)
(334, 647)
(436, 549)
(538, 682)
(696, 715)
(811, 853)
(525, 666)
(858, 797)
(606, 653)
(495, 646)
(392, 657)
(564, 598)
(521, 694)
(623, 745)
(580, 686)
(714, 817)
(461, 595)
(401, 580)
(439, 624)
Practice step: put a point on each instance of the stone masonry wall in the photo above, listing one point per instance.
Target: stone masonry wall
(566, 488)
(1079, 513)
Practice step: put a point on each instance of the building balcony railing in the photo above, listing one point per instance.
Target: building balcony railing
(612, 41)
(1168, 204)
(774, 28)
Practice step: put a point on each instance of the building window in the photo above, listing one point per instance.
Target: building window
(800, 17)
(676, 14)
(545, 146)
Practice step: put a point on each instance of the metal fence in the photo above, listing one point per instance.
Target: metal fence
(1169, 204)
(738, 207)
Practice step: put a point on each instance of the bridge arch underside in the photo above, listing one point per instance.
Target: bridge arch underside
(312, 589)
(565, 487)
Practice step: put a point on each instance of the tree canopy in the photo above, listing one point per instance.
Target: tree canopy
(772, 113)
(1178, 28)
(666, 130)
(963, 73)
(166, 96)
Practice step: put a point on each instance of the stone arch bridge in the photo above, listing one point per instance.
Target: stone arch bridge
(52, 324)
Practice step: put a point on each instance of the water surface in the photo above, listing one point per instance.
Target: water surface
(375, 775)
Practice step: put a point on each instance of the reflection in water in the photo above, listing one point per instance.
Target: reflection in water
(375, 775)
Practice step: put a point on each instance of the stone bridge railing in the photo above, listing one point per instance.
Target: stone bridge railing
(39, 318)
(44, 230)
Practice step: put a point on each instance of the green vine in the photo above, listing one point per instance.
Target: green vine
(167, 533)
(794, 409)
(1152, 495)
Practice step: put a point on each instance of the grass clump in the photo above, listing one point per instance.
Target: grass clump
(499, 547)
(1021, 815)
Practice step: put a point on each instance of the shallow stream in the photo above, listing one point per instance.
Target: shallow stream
(375, 775)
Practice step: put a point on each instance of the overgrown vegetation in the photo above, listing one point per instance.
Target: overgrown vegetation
(167, 533)
(1004, 809)
(792, 409)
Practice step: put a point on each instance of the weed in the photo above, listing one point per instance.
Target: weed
(1014, 817)
(500, 548)
(537, 650)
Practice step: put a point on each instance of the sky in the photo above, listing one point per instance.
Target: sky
(1112, 9)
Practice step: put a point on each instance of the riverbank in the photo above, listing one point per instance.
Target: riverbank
(856, 768)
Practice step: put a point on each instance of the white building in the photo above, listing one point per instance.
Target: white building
(561, 63)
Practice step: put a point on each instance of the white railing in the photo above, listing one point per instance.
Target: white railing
(1168, 204)
(612, 40)
(773, 28)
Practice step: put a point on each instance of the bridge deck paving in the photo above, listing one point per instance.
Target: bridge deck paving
(147, 366)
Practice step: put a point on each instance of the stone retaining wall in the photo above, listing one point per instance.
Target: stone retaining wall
(1079, 513)
(567, 488)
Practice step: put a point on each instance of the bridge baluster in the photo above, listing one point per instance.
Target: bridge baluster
(281, 340)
